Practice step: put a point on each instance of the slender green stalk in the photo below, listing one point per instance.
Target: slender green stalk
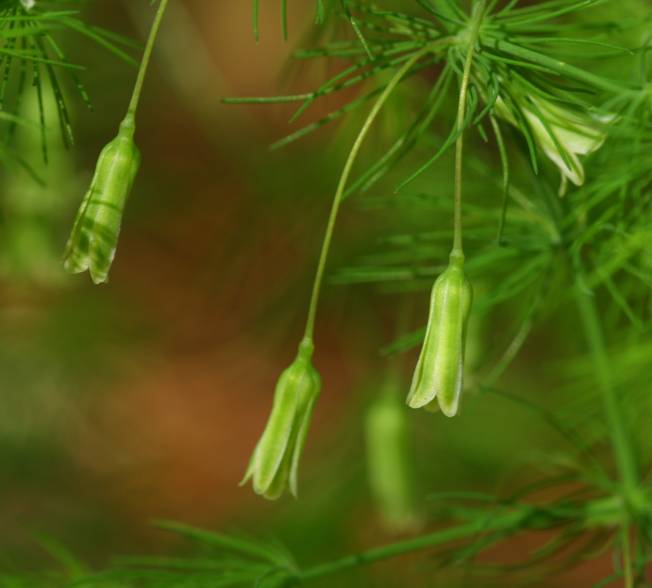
(344, 178)
(256, 20)
(628, 568)
(505, 165)
(498, 523)
(144, 63)
(284, 19)
(476, 19)
(613, 412)
(504, 523)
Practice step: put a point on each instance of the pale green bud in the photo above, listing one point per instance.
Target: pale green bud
(564, 135)
(274, 465)
(389, 461)
(438, 375)
(94, 238)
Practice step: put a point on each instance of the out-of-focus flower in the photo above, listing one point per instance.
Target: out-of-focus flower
(438, 376)
(389, 460)
(274, 465)
(94, 238)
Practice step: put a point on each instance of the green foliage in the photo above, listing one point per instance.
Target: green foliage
(222, 560)
(33, 59)
(538, 90)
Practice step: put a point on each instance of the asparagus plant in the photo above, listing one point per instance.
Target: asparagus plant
(530, 131)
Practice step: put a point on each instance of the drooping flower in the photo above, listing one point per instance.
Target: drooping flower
(274, 464)
(389, 460)
(564, 135)
(94, 238)
(437, 380)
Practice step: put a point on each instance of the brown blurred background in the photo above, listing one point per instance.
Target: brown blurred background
(143, 399)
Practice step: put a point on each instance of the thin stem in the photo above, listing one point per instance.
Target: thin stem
(613, 411)
(284, 19)
(502, 523)
(628, 568)
(346, 172)
(256, 20)
(476, 19)
(428, 541)
(144, 63)
(505, 165)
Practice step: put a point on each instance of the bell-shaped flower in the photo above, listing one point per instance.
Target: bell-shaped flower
(274, 465)
(437, 380)
(389, 460)
(564, 135)
(94, 238)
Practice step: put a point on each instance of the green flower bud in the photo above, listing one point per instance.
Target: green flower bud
(94, 236)
(438, 374)
(389, 460)
(274, 464)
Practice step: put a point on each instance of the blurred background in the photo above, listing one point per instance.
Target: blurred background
(142, 399)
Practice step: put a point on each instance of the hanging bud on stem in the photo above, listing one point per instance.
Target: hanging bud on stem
(389, 460)
(438, 375)
(274, 464)
(94, 238)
